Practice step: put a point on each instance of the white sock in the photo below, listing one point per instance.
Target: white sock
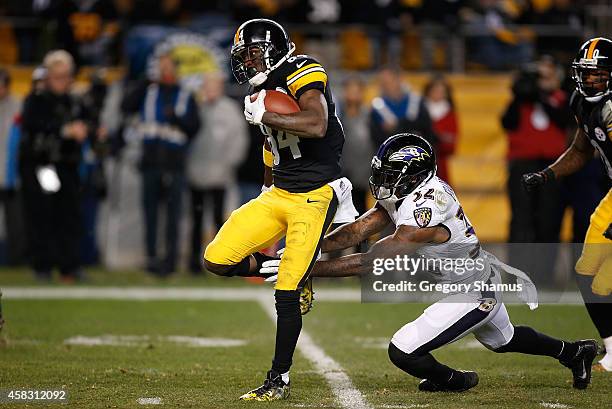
(606, 361)
(285, 377)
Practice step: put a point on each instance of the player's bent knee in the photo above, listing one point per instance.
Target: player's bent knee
(229, 270)
(411, 363)
(399, 357)
(218, 269)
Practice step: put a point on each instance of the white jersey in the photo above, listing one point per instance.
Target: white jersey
(434, 203)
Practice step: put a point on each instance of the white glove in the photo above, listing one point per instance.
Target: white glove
(265, 189)
(271, 266)
(253, 111)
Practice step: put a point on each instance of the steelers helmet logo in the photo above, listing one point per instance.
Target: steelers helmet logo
(600, 134)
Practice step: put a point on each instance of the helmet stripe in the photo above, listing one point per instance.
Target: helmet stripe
(592, 48)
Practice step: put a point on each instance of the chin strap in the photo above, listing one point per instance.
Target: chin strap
(262, 77)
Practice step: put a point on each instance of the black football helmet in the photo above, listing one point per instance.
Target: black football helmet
(402, 163)
(593, 58)
(260, 46)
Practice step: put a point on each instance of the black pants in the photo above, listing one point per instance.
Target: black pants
(536, 218)
(162, 188)
(216, 198)
(52, 220)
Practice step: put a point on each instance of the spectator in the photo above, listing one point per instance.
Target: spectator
(536, 122)
(88, 30)
(441, 108)
(93, 179)
(358, 149)
(217, 150)
(9, 109)
(568, 18)
(168, 120)
(397, 109)
(500, 43)
(53, 129)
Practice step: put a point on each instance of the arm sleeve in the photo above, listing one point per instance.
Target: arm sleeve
(306, 74)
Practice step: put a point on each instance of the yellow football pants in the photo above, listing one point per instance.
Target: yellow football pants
(596, 258)
(302, 217)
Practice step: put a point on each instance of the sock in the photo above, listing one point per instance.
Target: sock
(606, 361)
(421, 366)
(528, 341)
(288, 327)
(599, 308)
(285, 377)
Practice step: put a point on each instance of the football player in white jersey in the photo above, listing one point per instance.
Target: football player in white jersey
(430, 222)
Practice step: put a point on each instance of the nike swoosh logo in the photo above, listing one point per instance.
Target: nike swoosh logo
(311, 201)
(299, 65)
(584, 373)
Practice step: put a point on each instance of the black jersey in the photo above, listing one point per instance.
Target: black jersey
(304, 164)
(595, 118)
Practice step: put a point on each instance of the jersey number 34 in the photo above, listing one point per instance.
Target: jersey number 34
(280, 140)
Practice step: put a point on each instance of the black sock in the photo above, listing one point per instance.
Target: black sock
(421, 366)
(288, 327)
(600, 315)
(598, 307)
(529, 341)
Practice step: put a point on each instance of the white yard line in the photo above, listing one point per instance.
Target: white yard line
(166, 293)
(347, 395)
(214, 293)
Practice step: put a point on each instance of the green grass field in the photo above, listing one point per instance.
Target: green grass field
(35, 354)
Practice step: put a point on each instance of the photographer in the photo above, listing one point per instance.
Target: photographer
(53, 129)
(536, 122)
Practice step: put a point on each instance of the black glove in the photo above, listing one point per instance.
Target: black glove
(608, 233)
(533, 181)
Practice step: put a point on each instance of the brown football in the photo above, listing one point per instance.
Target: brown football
(278, 102)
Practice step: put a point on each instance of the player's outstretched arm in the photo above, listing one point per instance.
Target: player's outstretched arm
(572, 160)
(310, 122)
(353, 233)
(405, 241)
(575, 157)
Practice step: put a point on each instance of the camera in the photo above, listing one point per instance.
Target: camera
(525, 86)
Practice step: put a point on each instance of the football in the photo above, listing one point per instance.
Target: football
(279, 102)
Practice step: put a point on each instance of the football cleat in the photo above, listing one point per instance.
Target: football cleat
(470, 379)
(306, 297)
(273, 388)
(581, 363)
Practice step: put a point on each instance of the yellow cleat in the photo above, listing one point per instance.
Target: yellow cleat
(273, 388)
(306, 297)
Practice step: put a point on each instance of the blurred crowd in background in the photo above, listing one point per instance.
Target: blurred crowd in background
(495, 34)
(152, 135)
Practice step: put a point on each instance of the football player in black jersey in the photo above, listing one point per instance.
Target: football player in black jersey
(306, 148)
(592, 106)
